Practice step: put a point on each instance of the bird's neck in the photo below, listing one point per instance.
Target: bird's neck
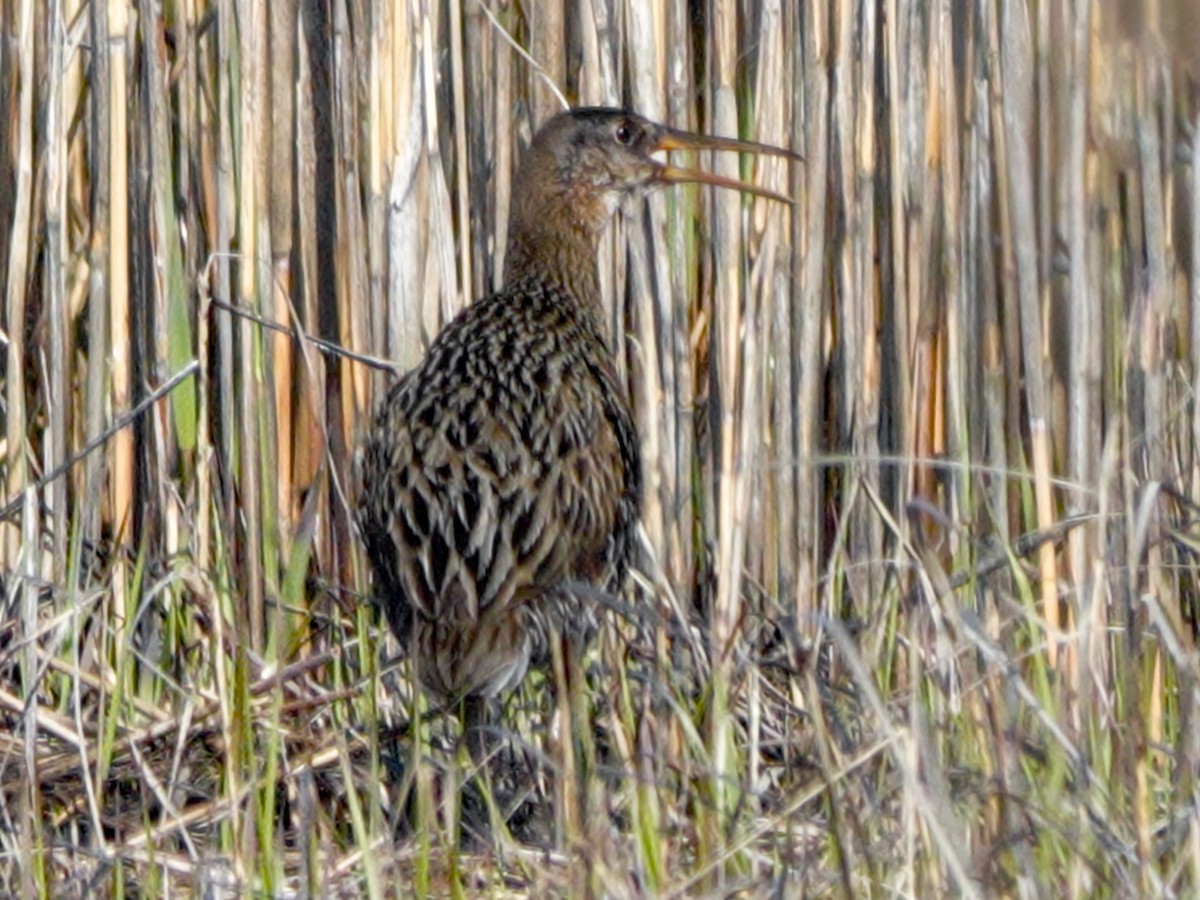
(555, 245)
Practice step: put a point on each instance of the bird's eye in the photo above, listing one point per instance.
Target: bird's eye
(624, 134)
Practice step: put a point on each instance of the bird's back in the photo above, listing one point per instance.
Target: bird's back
(499, 486)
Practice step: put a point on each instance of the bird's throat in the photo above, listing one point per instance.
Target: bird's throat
(554, 251)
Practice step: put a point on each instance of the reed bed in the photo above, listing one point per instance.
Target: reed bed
(916, 608)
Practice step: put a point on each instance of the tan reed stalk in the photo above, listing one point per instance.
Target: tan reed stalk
(20, 554)
(407, 210)
(1085, 316)
(120, 459)
(252, 105)
(381, 141)
(1016, 66)
(224, 671)
(461, 162)
(903, 121)
(58, 265)
(502, 156)
(1149, 357)
(281, 44)
(808, 238)
(726, 391)
(961, 374)
(548, 23)
(646, 277)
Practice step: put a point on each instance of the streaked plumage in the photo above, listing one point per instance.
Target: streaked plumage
(500, 471)
(500, 480)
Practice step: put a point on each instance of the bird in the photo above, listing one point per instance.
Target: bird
(499, 481)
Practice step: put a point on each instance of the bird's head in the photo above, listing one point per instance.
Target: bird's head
(583, 161)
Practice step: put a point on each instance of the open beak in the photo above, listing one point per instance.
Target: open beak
(670, 139)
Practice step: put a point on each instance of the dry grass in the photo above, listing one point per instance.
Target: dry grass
(917, 610)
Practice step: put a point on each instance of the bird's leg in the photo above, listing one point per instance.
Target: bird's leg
(475, 727)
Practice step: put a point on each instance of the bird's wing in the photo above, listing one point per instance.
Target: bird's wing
(494, 472)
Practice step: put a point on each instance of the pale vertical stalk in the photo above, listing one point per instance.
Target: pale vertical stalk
(597, 84)
(901, 121)
(121, 449)
(1153, 313)
(479, 53)
(407, 241)
(724, 421)
(1043, 475)
(62, 321)
(779, 383)
(808, 263)
(74, 255)
(1045, 43)
(381, 147)
(15, 303)
(960, 374)
(383, 91)
(282, 209)
(227, 217)
(846, 290)
(383, 141)
(547, 28)
(461, 161)
(10, 65)
(1194, 284)
(345, 323)
(312, 182)
(1002, 324)
(31, 826)
(682, 249)
(770, 459)
(866, 534)
(1154, 316)
(568, 818)
(192, 168)
(226, 201)
(98, 362)
(646, 379)
(652, 382)
(756, 483)
(922, 426)
(1129, 657)
(860, 375)
(253, 63)
(98, 250)
(1086, 311)
(502, 159)
(444, 297)
(439, 292)
(353, 279)
(979, 306)
(405, 90)
(406, 215)
(607, 22)
(252, 364)
(150, 243)
(1016, 66)
(169, 344)
(57, 262)
(204, 537)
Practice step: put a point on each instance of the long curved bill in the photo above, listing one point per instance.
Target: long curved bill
(670, 139)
